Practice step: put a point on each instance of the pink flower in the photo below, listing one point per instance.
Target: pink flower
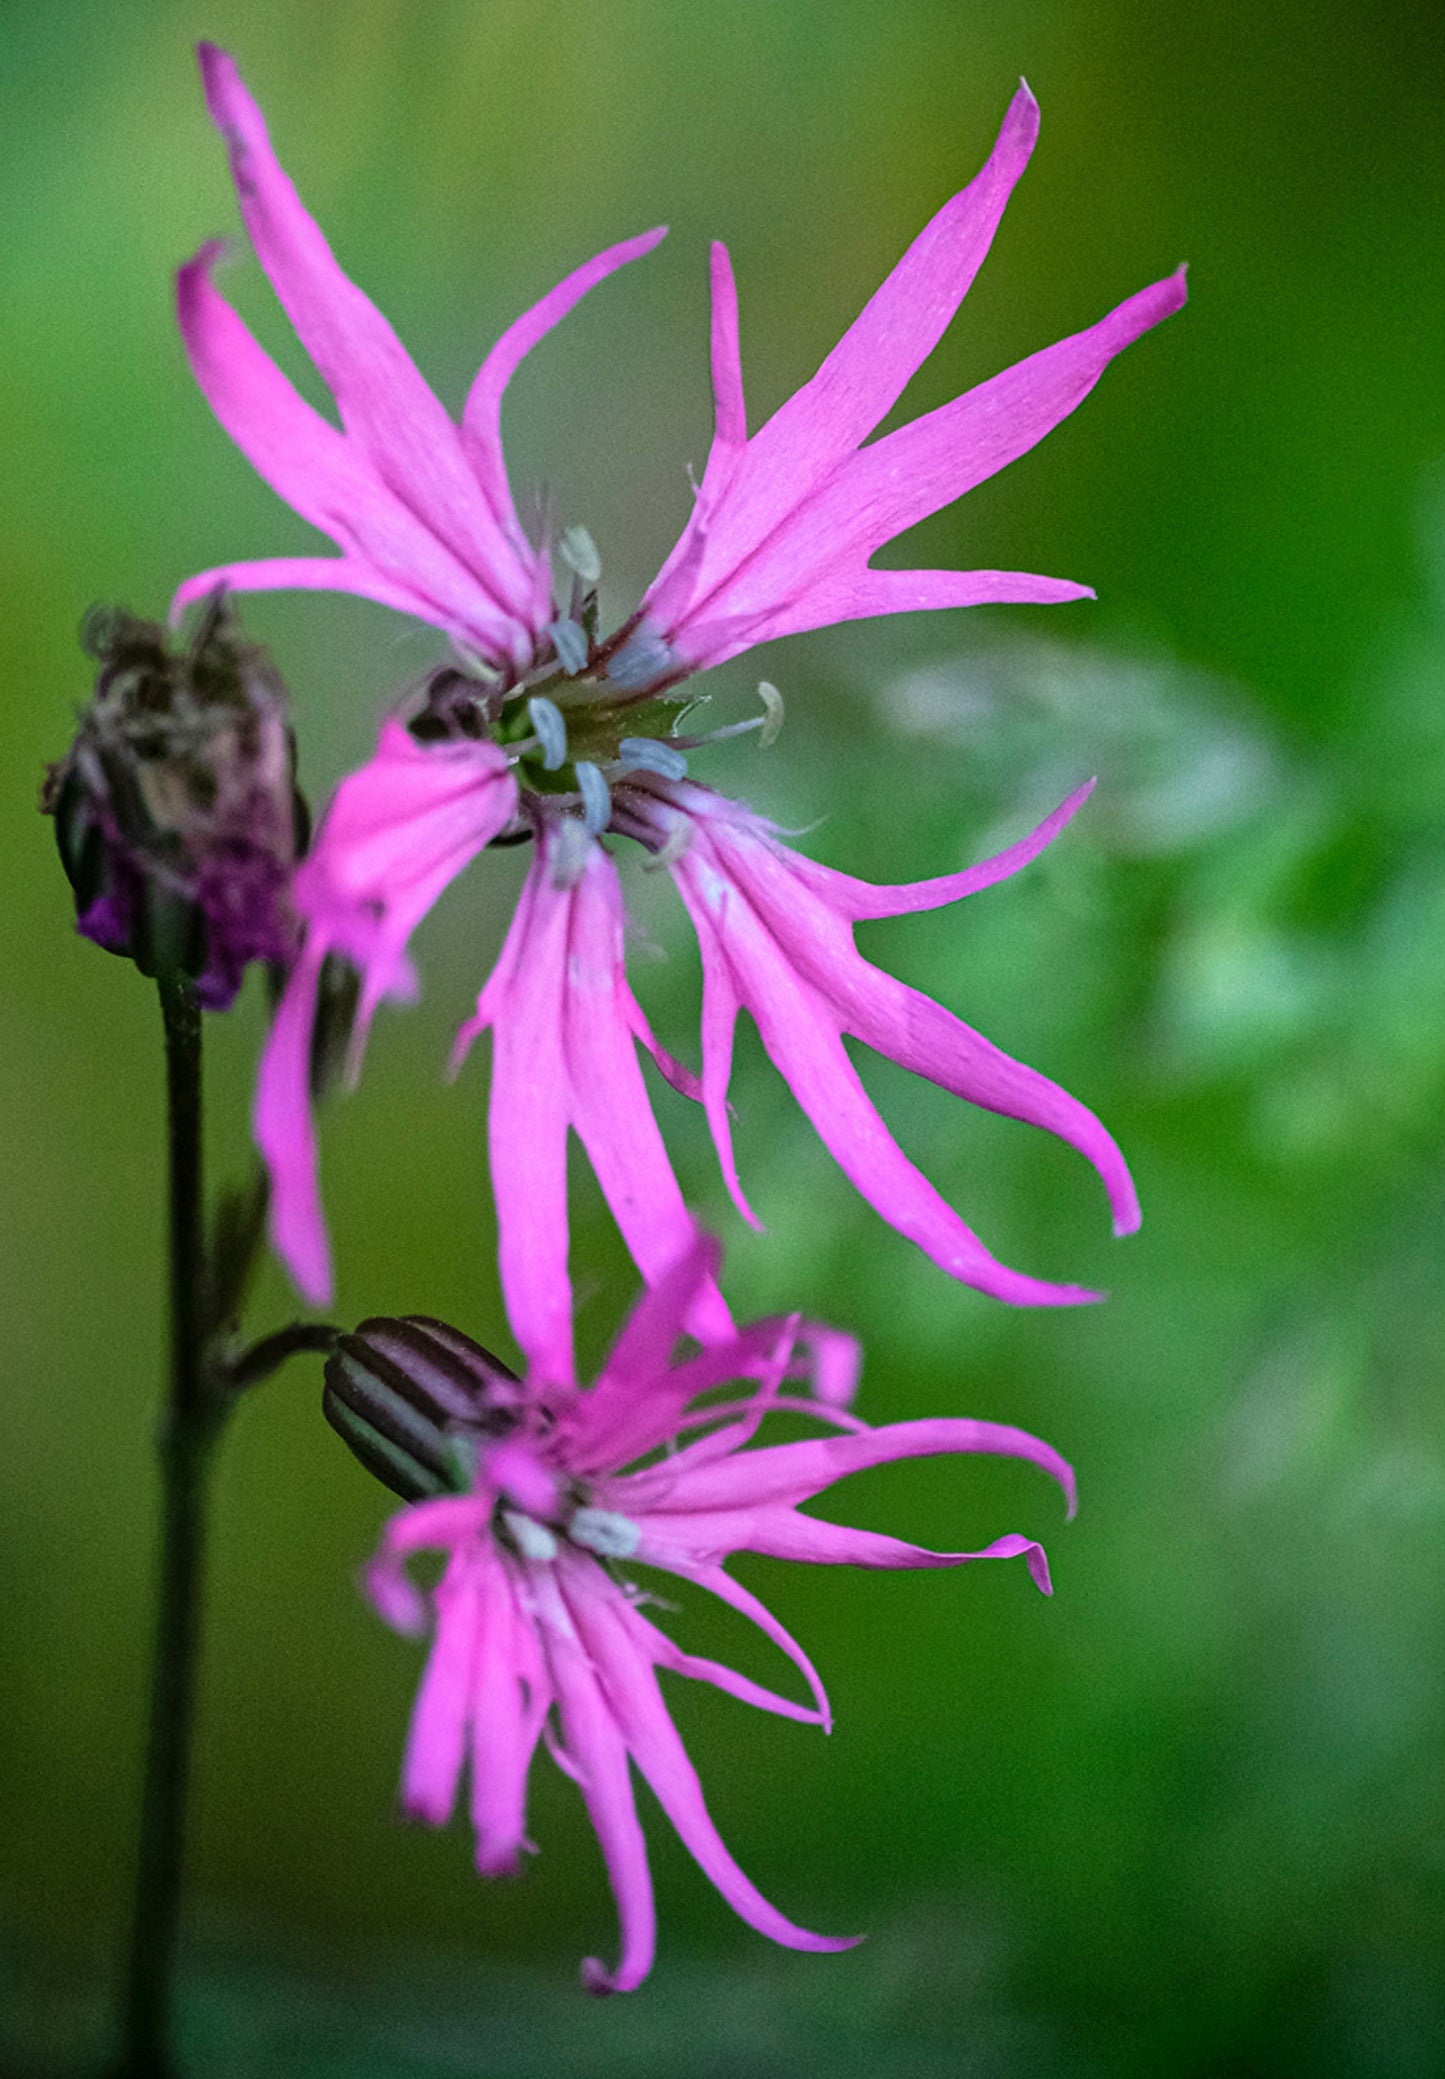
(546, 729)
(537, 1635)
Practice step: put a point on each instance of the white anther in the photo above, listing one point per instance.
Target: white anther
(570, 643)
(531, 1538)
(579, 552)
(646, 754)
(605, 1532)
(546, 719)
(596, 796)
(772, 701)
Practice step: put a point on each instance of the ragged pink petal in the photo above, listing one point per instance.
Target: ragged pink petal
(437, 1741)
(286, 1133)
(511, 1695)
(388, 552)
(294, 574)
(793, 1473)
(598, 1749)
(858, 900)
(893, 483)
(482, 416)
(667, 1655)
(785, 525)
(397, 833)
(388, 411)
(775, 934)
(636, 1705)
(565, 1058)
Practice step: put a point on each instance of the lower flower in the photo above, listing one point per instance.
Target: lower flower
(539, 1633)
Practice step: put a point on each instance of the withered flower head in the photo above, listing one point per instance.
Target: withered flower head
(176, 809)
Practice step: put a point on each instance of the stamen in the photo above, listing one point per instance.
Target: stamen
(532, 1539)
(646, 754)
(772, 701)
(546, 719)
(571, 646)
(579, 552)
(605, 1532)
(596, 797)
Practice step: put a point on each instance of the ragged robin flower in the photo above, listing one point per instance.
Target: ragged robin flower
(547, 1502)
(545, 727)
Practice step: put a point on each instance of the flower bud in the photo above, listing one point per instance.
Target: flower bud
(176, 809)
(413, 1399)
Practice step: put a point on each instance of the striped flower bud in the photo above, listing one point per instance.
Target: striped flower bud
(413, 1398)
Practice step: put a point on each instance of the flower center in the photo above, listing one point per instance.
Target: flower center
(588, 713)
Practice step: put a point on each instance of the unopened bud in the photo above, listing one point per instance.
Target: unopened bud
(413, 1399)
(176, 810)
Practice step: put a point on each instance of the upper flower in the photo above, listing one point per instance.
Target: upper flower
(547, 728)
(784, 524)
(539, 1633)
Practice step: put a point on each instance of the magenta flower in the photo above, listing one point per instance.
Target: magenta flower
(545, 729)
(538, 1635)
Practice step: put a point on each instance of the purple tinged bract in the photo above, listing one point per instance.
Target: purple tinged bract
(541, 1635)
(552, 731)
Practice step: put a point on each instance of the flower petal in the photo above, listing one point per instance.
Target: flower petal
(611, 1109)
(482, 415)
(813, 433)
(398, 831)
(706, 1574)
(598, 1753)
(286, 1132)
(564, 1055)
(794, 1473)
(855, 595)
(899, 326)
(511, 1695)
(527, 1120)
(662, 1650)
(801, 1035)
(436, 1742)
(895, 482)
(864, 899)
(638, 1710)
(706, 1537)
(299, 574)
(385, 405)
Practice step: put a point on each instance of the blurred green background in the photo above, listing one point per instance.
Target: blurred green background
(1186, 1818)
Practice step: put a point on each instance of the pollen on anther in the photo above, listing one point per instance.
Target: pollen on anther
(551, 730)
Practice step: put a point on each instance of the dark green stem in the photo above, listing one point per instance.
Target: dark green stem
(188, 1430)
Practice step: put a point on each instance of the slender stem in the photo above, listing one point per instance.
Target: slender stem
(188, 1430)
(249, 1367)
